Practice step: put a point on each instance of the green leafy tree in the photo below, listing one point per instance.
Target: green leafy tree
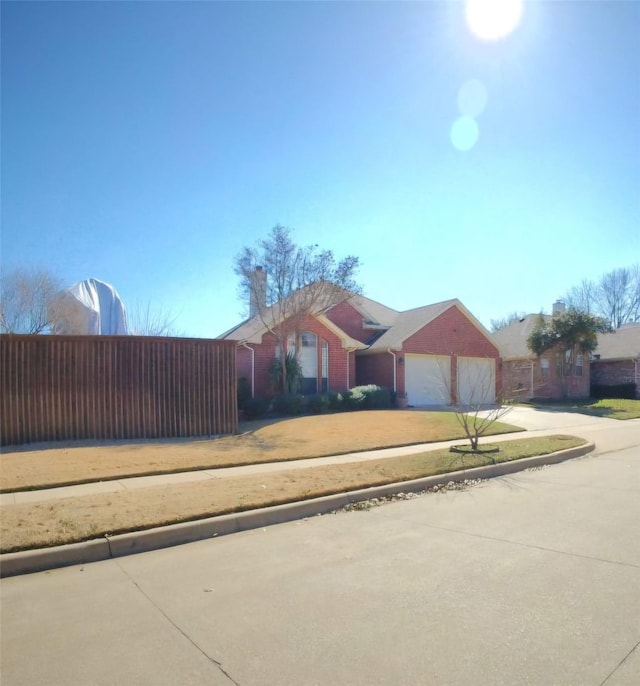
(568, 334)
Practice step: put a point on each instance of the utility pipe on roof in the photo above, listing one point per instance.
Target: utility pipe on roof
(395, 385)
(253, 366)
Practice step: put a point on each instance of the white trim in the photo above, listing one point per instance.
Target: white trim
(253, 367)
(395, 378)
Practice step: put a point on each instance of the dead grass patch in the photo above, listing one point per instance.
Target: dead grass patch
(51, 465)
(71, 520)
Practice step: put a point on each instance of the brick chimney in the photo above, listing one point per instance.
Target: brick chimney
(258, 293)
(558, 307)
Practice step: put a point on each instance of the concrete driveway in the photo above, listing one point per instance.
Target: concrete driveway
(527, 579)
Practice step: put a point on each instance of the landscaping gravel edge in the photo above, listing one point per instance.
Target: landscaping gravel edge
(29, 561)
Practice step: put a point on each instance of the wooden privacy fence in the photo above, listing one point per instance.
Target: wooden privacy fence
(73, 387)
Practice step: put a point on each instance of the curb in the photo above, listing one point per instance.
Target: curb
(29, 561)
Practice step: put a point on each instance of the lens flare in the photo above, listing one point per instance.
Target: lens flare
(464, 133)
(493, 19)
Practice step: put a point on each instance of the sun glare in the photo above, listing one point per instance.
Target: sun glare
(493, 19)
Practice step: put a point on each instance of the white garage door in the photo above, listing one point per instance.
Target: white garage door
(428, 379)
(476, 380)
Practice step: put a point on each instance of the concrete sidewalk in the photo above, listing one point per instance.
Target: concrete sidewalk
(527, 580)
(611, 435)
(536, 422)
(132, 483)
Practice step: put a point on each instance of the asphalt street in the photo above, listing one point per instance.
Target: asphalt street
(532, 578)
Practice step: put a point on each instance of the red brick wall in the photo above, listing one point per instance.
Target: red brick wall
(517, 380)
(450, 334)
(266, 351)
(615, 372)
(243, 363)
(516, 375)
(376, 369)
(349, 320)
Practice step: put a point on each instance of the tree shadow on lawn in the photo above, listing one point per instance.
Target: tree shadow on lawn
(244, 428)
(574, 406)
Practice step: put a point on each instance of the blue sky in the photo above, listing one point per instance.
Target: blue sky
(145, 143)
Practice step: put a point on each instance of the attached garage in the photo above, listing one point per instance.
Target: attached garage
(476, 380)
(428, 379)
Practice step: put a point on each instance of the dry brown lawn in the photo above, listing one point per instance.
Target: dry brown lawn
(48, 465)
(69, 520)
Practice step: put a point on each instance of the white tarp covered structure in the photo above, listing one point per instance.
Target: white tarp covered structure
(91, 307)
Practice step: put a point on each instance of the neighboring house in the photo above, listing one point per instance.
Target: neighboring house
(525, 375)
(436, 355)
(616, 360)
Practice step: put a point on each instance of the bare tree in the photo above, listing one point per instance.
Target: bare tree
(28, 301)
(618, 296)
(284, 282)
(497, 324)
(615, 296)
(479, 405)
(144, 320)
(582, 297)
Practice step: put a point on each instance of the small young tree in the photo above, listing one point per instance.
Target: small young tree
(482, 405)
(28, 301)
(568, 334)
(284, 282)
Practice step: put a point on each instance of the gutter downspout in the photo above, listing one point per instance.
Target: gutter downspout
(395, 383)
(349, 351)
(532, 366)
(253, 367)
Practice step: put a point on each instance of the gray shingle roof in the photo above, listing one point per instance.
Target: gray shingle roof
(374, 312)
(623, 343)
(401, 325)
(408, 322)
(512, 339)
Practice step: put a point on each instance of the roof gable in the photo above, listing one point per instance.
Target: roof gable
(411, 321)
(252, 330)
(399, 325)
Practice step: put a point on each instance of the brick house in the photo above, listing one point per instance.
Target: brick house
(526, 376)
(616, 360)
(433, 355)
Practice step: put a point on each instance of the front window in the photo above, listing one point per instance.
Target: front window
(568, 362)
(544, 367)
(308, 358)
(579, 365)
